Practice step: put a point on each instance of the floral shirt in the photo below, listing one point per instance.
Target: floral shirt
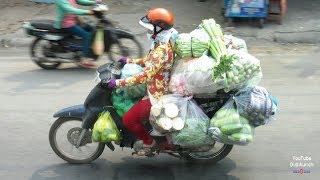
(157, 68)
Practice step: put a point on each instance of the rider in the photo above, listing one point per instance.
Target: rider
(157, 67)
(66, 18)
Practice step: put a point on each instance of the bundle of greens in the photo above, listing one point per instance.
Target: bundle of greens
(183, 45)
(200, 42)
(192, 44)
(217, 47)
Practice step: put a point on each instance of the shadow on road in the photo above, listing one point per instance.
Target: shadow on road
(49, 79)
(138, 168)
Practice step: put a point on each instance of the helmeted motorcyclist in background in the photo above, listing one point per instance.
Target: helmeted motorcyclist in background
(157, 67)
(66, 18)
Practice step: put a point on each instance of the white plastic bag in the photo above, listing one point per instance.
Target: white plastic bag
(193, 76)
(235, 43)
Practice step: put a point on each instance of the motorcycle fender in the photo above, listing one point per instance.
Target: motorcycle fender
(73, 111)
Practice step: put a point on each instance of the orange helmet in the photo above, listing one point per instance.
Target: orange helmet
(160, 17)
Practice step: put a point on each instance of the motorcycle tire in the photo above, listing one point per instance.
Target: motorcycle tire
(44, 65)
(121, 49)
(52, 137)
(222, 153)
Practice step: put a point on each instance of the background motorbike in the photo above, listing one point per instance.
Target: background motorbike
(52, 46)
(70, 134)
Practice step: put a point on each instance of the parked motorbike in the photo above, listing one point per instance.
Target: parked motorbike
(52, 46)
(70, 134)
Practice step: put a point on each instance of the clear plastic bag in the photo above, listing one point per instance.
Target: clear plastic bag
(228, 127)
(244, 71)
(193, 76)
(168, 113)
(256, 104)
(195, 131)
(136, 91)
(105, 129)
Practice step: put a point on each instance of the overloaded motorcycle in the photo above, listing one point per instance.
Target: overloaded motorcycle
(52, 47)
(70, 135)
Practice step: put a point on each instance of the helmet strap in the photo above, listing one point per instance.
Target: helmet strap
(155, 32)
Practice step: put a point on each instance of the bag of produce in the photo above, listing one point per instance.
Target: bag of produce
(122, 104)
(195, 131)
(238, 72)
(168, 113)
(105, 129)
(229, 127)
(235, 43)
(192, 76)
(136, 91)
(98, 43)
(256, 105)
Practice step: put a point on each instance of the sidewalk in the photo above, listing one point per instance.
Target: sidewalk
(300, 25)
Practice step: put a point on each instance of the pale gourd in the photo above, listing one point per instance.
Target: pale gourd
(171, 110)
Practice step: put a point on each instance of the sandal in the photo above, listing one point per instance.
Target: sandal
(86, 63)
(147, 149)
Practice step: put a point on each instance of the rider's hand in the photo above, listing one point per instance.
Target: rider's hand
(123, 61)
(110, 84)
(91, 12)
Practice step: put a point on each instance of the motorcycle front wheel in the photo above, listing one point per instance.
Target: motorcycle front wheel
(125, 47)
(38, 50)
(63, 136)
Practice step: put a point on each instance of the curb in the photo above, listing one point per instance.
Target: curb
(312, 37)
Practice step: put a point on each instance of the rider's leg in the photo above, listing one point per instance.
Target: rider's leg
(86, 41)
(133, 121)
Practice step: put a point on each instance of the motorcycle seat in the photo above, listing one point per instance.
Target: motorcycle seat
(46, 25)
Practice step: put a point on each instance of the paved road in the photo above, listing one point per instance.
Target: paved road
(29, 96)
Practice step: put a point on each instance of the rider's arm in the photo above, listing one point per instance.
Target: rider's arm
(157, 60)
(139, 61)
(66, 6)
(86, 2)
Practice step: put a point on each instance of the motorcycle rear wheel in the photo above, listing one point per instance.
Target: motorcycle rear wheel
(206, 156)
(72, 135)
(125, 47)
(41, 61)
